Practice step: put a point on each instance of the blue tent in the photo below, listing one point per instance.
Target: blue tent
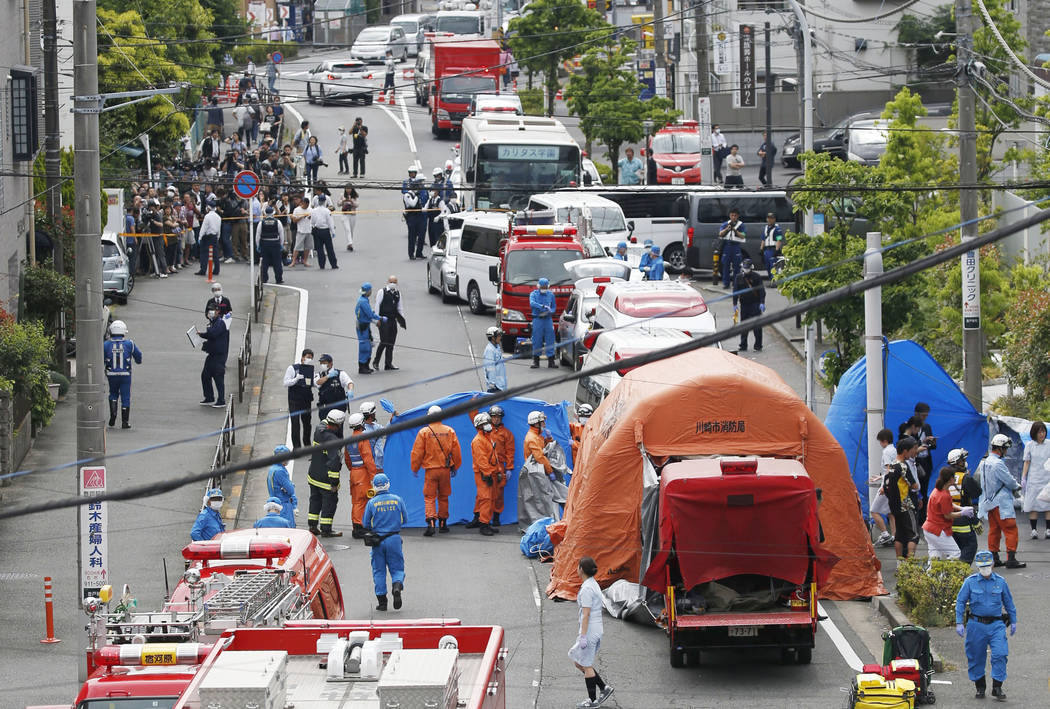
(910, 375)
(398, 452)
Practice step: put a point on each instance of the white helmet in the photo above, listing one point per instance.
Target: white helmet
(435, 409)
(449, 166)
(438, 172)
(956, 455)
(117, 327)
(367, 408)
(356, 420)
(1001, 440)
(493, 332)
(335, 416)
(482, 419)
(536, 417)
(584, 411)
(412, 168)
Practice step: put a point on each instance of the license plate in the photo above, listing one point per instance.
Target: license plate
(677, 180)
(743, 631)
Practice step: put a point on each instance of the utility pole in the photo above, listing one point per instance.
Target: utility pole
(768, 159)
(703, 92)
(876, 408)
(91, 440)
(52, 149)
(971, 260)
(658, 40)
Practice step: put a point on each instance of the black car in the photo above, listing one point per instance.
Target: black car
(833, 140)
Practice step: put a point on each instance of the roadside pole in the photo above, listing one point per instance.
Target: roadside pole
(768, 159)
(971, 260)
(876, 407)
(703, 92)
(91, 441)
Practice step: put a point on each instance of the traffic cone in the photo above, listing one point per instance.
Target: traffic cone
(515, 84)
(557, 96)
(382, 97)
(393, 97)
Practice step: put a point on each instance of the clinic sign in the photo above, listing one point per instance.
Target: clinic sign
(747, 66)
(971, 291)
(94, 532)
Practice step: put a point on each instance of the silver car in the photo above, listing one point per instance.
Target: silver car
(117, 278)
(414, 27)
(342, 80)
(442, 278)
(373, 43)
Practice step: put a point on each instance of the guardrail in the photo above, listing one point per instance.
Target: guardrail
(258, 292)
(225, 444)
(244, 358)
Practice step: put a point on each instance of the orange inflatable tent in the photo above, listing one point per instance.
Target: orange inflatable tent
(702, 403)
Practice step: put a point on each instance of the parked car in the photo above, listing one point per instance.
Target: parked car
(593, 276)
(496, 103)
(831, 140)
(671, 304)
(117, 277)
(341, 80)
(591, 176)
(674, 154)
(373, 43)
(442, 278)
(414, 26)
(615, 345)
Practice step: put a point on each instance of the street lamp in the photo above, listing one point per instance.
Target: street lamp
(648, 125)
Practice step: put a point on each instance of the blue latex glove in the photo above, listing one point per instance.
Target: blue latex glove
(960, 629)
(388, 406)
(382, 318)
(967, 512)
(454, 471)
(582, 642)
(761, 307)
(1013, 628)
(551, 476)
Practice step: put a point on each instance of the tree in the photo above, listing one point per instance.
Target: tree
(605, 97)
(921, 33)
(550, 32)
(1027, 354)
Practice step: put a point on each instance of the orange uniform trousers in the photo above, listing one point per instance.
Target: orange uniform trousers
(997, 527)
(437, 486)
(360, 484)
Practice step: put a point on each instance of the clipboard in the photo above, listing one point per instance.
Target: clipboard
(194, 338)
(307, 370)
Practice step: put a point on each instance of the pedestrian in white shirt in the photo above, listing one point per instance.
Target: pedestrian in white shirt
(211, 227)
(344, 152)
(322, 226)
(719, 148)
(391, 70)
(304, 240)
(878, 504)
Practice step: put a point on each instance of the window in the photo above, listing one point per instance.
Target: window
(481, 241)
(646, 204)
(24, 114)
(761, 5)
(715, 210)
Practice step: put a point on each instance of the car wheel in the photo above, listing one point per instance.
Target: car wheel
(804, 655)
(131, 285)
(368, 100)
(675, 258)
(434, 128)
(474, 299)
(309, 95)
(430, 282)
(679, 658)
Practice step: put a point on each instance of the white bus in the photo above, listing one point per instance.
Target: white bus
(505, 159)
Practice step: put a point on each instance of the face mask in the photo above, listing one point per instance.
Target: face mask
(584, 419)
(324, 368)
(543, 289)
(212, 315)
(986, 571)
(392, 287)
(717, 131)
(487, 427)
(308, 360)
(217, 294)
(215, 504)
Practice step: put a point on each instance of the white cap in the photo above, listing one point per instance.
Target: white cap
(335, 416)
(435, 409)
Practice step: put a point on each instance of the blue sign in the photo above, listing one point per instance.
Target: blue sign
(278, 57)
(246, 184)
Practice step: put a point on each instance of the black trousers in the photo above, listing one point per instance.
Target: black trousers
(301, 423)
(344, 162)
(210, 241)
(764, 176)
(271, 258)
(417, 228)
(359, 163)
(387, 338)
(323, 245)
(750, 310)
(322, 507)
(434, 228)
(214, 372)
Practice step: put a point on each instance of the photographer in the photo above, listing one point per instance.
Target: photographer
(151, 222)
(312, 157)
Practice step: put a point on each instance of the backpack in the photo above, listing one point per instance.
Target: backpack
(912, 642)
(536, 542)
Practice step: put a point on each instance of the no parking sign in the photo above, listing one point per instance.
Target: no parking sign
(277, 56)
(246, 184)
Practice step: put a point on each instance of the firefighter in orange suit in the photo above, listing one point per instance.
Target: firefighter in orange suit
(505, 447)
(487, 467)
(436, 450)
(535, 440)
(362, 468)
(583, 412)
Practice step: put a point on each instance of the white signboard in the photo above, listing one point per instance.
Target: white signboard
(723, 53)
(256, 12)
(818, 223)
(284, 11)
(660, 82)
(703, 119)
(971, 291)
(94, 530)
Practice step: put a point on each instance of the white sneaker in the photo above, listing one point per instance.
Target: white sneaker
(885, 539)
(227, 260)
(1035, 533)
(1046, 534)
(605, 694)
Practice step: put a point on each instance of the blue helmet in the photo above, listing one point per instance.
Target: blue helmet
(983, 558)
(381, 483)
(281, 449)
(544, 282)
(622, 245)
(214, 492)
(647, 242)
(656, 251)
(366, 287)
(272, 504)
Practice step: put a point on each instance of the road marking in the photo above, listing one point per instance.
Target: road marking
(405, 127)
(299, 117)
(535, 587)
(470, 347)
(841, 644)
(300, 343)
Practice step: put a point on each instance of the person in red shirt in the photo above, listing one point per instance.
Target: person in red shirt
(940, 511)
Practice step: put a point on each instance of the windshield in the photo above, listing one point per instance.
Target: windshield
(868, 133)
(676, 143)
(410, 28)
(109, 250)
(373, 34)
(467, 85)
(129, 703)
(606, 219)
(510, 174)
(348, 66)
(525, 267)
(458, 25)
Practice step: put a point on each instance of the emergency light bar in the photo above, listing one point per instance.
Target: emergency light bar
(544, 230)
(241, 548)
(739, 466)
(152, 654)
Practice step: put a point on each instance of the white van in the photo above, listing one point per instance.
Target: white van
(479, 241)
(616, 345)
(607, 222)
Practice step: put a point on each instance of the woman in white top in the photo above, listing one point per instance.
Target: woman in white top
(584, 651)
(1035, 476)
(348, 214)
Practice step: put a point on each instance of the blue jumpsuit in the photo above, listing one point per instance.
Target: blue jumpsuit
(543, 307)
(987, 597)
(274, 519)
(656, 269)
(207, 525)
(365, 317)
(118, 354)
(279, 484)
(384, 514)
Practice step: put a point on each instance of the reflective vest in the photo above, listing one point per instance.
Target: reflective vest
(268, 230)
(300, 394)
(353, 454)
(332, 391)
(960, 525)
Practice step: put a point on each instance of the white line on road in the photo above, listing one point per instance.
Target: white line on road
(300, 343)
(841, 644)
(294, 111)
(405, 127)
(470, 347)
(535, 586)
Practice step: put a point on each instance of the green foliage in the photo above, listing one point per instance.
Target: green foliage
(61, 231)
(928, 597)
(258, 50)
(550, 32)
(531, 101)
(1027, 353)
(40, 181)
(605, 172)
(46, 293)
(922, 31)
(605, 97)
(25, 353)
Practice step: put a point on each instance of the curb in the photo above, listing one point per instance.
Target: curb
(888, 608)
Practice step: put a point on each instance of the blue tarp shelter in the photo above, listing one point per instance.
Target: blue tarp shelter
(398, 452)
(911, 375)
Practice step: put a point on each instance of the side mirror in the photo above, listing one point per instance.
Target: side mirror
(587, 179)
(630, 225)
(494, 274)
(470, 174)
(591, 312)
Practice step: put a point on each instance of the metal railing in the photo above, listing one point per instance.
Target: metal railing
(224, 446)
(244, 358)
(258, 292)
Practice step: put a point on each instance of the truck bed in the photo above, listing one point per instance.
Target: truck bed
(722, 620)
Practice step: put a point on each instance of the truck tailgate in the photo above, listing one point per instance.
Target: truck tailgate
(722, 620)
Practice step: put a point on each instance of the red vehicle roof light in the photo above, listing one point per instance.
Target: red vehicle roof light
(627, 354)
(661, 304)
(739, 466)
(152, 654)
(600, 290)
(237, 548)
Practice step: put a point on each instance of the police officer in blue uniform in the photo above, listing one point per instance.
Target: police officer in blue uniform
(365, 317)
(654, 269)
(209, 521)
(441, 193)
(987, 595)
(217, 346)
(384, 515)
(271, 240)
(542, 304)
(334, 387)
(279, 486)
(368, 410)
(118, 353)
(414, 195)
(272, 516)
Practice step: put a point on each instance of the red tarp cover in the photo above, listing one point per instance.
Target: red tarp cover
(724, 525)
